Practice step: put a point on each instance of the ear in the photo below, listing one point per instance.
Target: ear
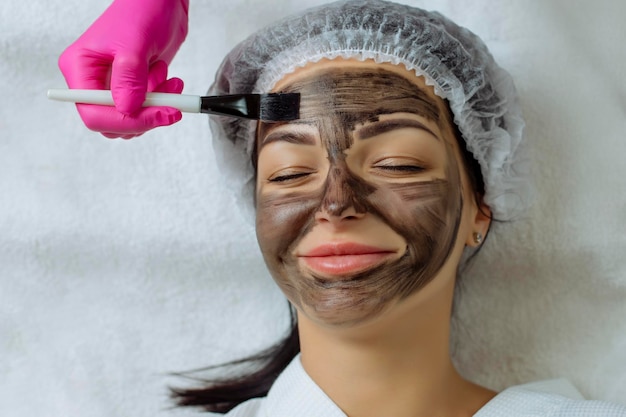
(480, 225)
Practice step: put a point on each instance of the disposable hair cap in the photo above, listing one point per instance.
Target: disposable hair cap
(453, 60)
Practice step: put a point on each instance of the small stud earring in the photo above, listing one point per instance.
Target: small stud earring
(478, 238)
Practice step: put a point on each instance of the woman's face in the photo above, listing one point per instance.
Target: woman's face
(360, 202)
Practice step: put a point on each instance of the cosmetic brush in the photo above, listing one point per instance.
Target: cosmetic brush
(272, 107)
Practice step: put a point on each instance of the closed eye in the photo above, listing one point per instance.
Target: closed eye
(288, 177)
(399, 164)
(401, 168)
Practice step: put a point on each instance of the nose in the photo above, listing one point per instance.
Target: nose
(341, 200)
(326, 216)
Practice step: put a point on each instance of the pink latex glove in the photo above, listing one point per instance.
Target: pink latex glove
(127, 49)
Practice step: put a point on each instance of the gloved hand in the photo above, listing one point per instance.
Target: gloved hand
(127, 49)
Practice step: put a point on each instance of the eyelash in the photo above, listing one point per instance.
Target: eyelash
(402, 168)
(289, 177)
(390, 166)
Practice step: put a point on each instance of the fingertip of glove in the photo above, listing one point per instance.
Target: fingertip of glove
(177, 85)
(167, 117)
(174, 117)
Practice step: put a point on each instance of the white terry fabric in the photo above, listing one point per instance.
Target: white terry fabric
(295, 394)
(543, 399)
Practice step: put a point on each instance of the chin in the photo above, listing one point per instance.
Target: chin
(342, 307)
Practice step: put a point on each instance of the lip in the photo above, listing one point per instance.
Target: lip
(337, 259)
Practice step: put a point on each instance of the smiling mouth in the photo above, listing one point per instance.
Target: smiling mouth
(338, 260)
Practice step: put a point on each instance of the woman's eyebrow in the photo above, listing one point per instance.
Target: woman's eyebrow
(299, 138)
(385, 126)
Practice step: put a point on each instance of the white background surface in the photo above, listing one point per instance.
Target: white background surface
(122, 261)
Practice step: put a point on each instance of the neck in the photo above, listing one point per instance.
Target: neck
(397, 365)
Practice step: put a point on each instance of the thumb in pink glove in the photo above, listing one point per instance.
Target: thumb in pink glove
(127, 49)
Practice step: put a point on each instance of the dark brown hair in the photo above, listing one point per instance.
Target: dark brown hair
(220, 395)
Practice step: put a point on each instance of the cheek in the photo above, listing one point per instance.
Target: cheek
(423, 212)
(281, 218)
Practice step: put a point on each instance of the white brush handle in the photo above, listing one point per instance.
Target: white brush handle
(182, 102)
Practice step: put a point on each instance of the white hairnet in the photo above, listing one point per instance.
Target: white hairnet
(453, 60)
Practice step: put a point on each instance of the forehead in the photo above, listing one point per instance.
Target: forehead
(313, 69)
(356, 92)
(359, 91)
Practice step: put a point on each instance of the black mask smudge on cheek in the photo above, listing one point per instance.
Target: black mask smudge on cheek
(425, 213)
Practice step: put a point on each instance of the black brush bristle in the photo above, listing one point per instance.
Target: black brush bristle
(278, 107)
(273, 107)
